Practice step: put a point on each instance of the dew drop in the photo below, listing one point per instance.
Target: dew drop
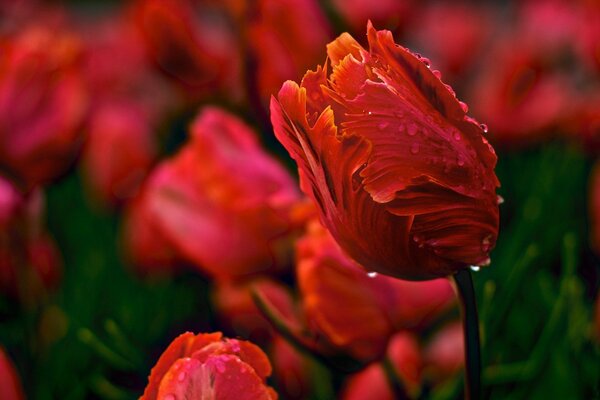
(486, 262)
(414, 148)
(383, 125)
(499, 199)
(369, 113)
(464, 106)
(371, 274)
(484, 127)
(486, 244)
(426, 61)
(437, 73)
(460, 160)
(181, 376)
(456, 136)
(475, 268)
(411, 130)
(170, 397)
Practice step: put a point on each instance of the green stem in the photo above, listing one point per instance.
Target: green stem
(466, 295)
(393, 379)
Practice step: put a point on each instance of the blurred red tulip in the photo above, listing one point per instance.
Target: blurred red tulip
(444, 355)
(403, 179)
(375, 306)
(130, 99)
(193, 43)
(207, 366)
(10, 384)
(30, 263)
(222, 202)
(42, 104)
(453, 35)
(281, 44)
(389, 13)
(372, 384)
(238, 312)
(119, 151)
(290, 370)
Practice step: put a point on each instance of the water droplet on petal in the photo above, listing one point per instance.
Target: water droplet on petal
(426, 61)
(371, 274)
(456, 135)
(499, 199)
(464, 106)
(414, 148)
(411, 129)
(486, 262)
(437, 73)
(486, 243)
(475, 268)
(484, 127)
(170, 397)
(460, 160)
(383, 125)
(181, 376)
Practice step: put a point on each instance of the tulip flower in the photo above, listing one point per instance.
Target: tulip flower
(373, 384)
(208, 366)
(222, 203)
(43, 101)
(30, 263)
(376, 306)
(444, 355)
(402, 177)
(10, 384)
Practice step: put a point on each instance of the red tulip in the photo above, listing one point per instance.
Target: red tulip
(222, 202)
(444, 355)
(403, 179)
(206, 366)
(42, 104)
(10, 384)
(453, 35)
(282, 46)
(372, 384)
(291, 370)
(375, 306)
(192, 43)
(30, 263)
(119, 151)
(391, 13)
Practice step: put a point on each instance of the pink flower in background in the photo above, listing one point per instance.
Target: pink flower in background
(120, 150)
(453, 36)
(291, 370)
(222, 201)
(193, 43)
(389, 13)
(129, 101)
(372, 384)
(30, 263)
(43, 101)
(282, 46)
(10, 384)
(375, 307)
(208, 366)
(444, 355)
